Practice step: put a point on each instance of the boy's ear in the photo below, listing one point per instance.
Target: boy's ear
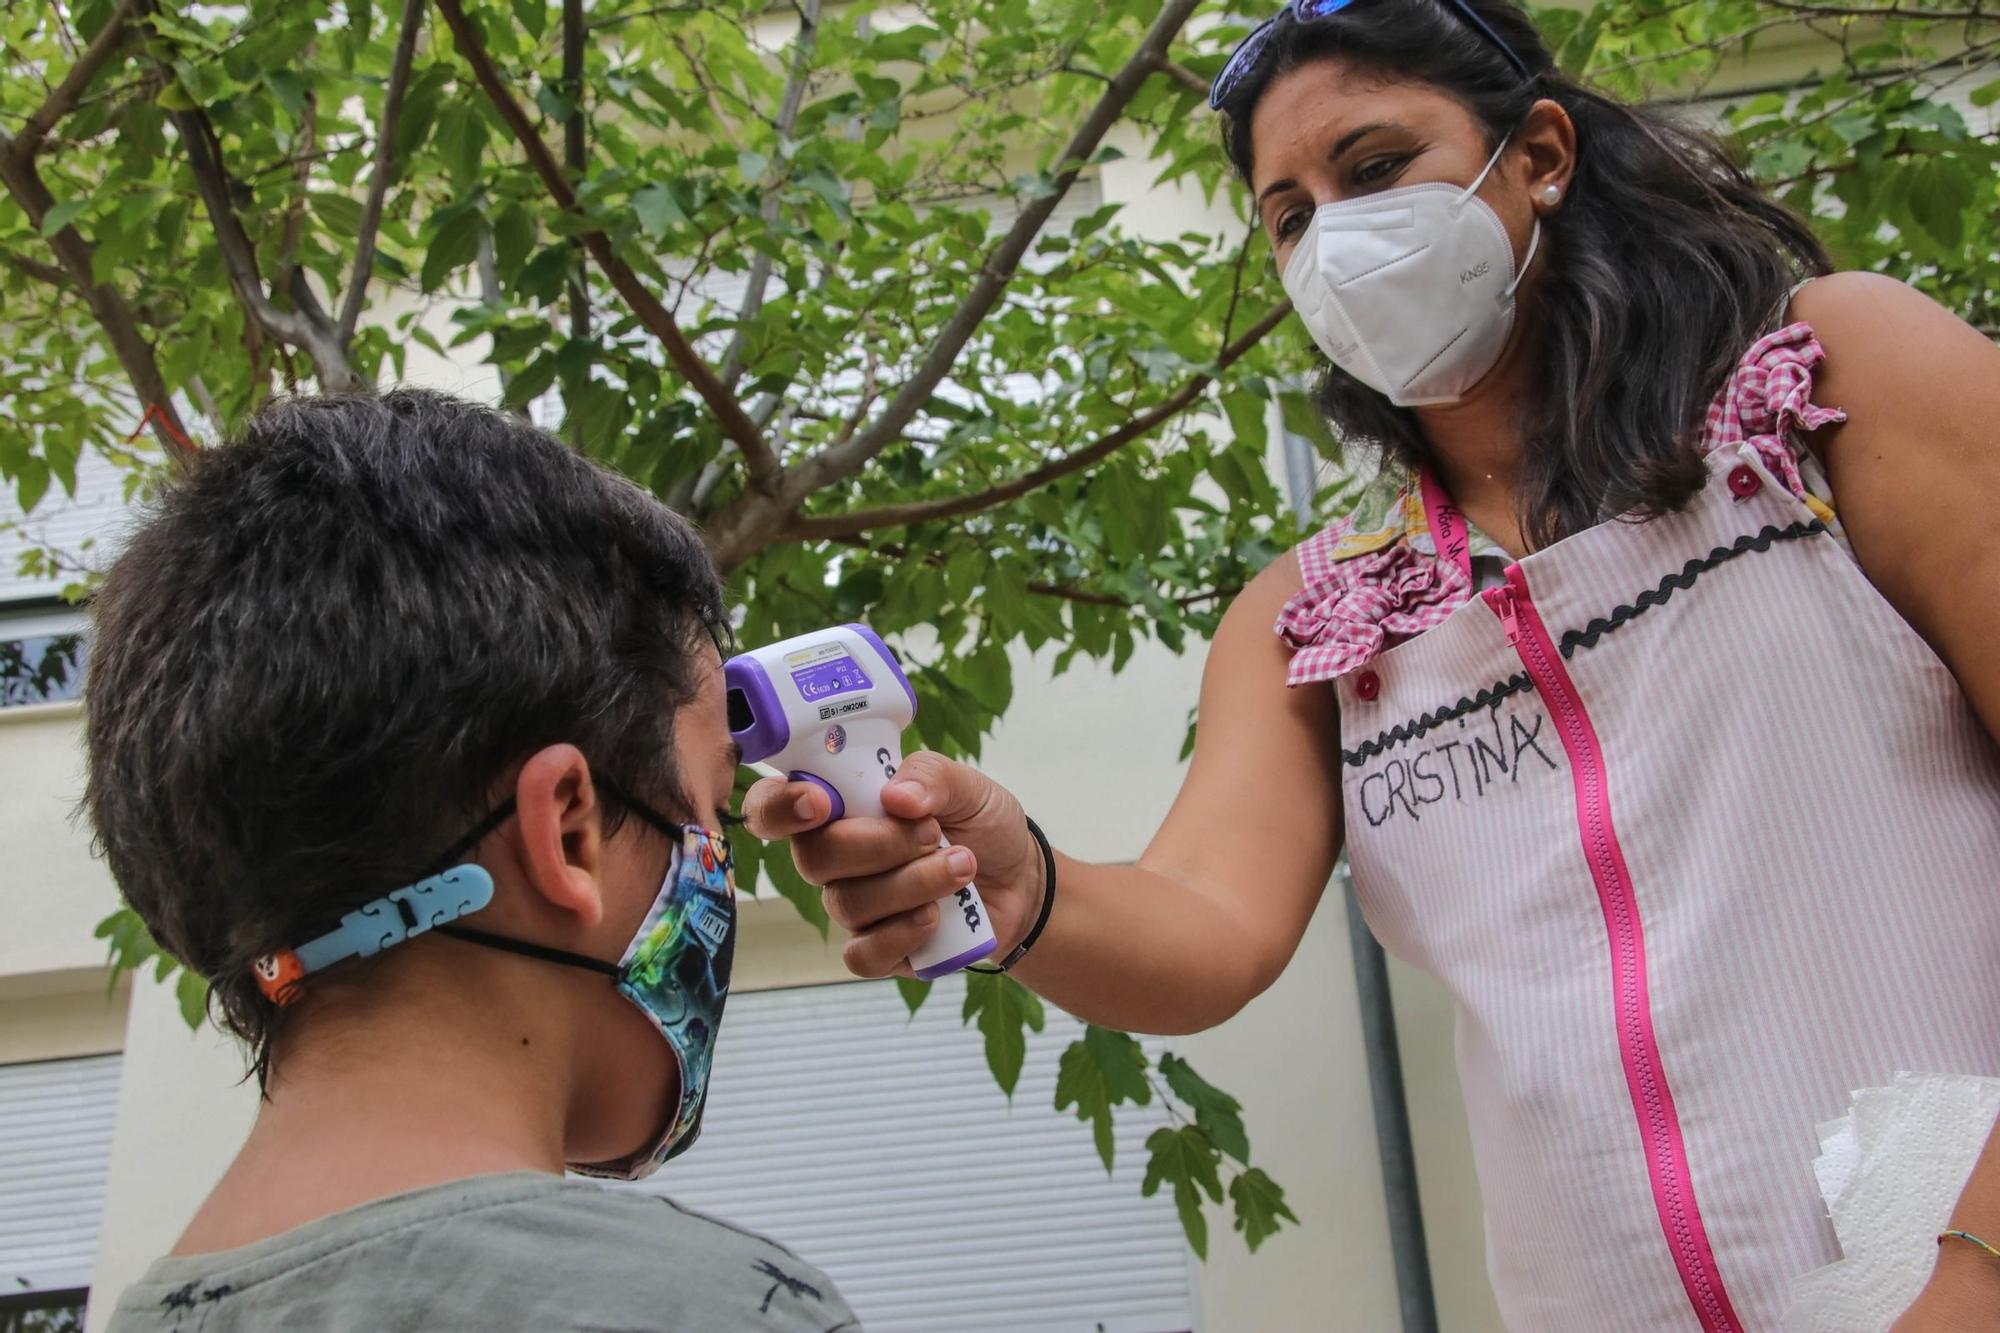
(562, 842)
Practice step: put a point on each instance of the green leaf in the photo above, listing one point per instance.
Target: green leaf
(62, 215)
(192, 992)
(514, 343)
(804, 897)
(542, 278)
(420, 104)
(1940, 190)
(129, 945)
(31, 483)
(531, 383)
(288, 89)
(1218, 1114)
(514, 232)
(1097, 1073)
(1006, 1010)
(1986, 94)
(533, 16)
(1260, 1207)
(914, 993)
(657, 210)
(1302, 417)
(1184, 1158)
(455, 244)
(341, 214)
(1248, 421)
(554, 103)
(461, 140)
(600, 414)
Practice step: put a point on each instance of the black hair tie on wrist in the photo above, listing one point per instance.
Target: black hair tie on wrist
(1008, 963)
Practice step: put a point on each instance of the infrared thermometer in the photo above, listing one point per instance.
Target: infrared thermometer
(829, 708)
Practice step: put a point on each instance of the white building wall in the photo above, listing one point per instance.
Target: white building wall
(52, 893)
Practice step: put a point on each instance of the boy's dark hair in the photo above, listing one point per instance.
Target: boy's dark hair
(332, 637)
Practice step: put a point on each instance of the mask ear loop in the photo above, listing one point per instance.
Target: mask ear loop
(1534, 236)
(1458, 204)
(1534, 243)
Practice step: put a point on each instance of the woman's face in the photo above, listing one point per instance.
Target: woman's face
(1328, 131)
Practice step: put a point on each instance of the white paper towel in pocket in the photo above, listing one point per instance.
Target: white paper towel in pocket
(1891, 1170)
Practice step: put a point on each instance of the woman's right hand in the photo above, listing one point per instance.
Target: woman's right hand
(881, 878)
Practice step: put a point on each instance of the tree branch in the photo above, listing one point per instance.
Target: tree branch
(759, 515)
(383, 172)
(734, 360)
(114, 316)
(920, 511)
(1894, 10)
(650, 11)
(896, 551)
(295, 211)
(1184, 76)
(735, 424)
(1089, 598)
(63, 99)
(40, 272)
(149, 314)
(576, 158)
(316, 337)
(998, 269)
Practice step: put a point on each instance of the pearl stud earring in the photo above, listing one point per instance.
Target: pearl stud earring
(1550, 194)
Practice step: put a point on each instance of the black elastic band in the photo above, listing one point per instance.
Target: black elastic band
(1042, 919)
(659, 823)
(456, 852)
(528, 949)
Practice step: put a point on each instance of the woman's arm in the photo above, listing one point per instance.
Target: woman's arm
(1208, 917)
(1916, 480)
(1916, 467)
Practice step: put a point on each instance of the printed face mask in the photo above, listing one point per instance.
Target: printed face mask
(676, 968)
(1410, 291)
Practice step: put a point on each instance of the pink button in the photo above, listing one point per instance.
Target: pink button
(1744, 481)
(1368, 685)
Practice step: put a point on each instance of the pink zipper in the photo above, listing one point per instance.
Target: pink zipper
(1645, 1077)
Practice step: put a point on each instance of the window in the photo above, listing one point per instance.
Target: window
(42, 654)
(43, 1312)
(878, 1148)
(42, 669)
(55, 1146)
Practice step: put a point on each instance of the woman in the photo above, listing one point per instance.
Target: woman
(1655, 716)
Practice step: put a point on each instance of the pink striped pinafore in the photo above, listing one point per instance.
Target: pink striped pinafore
(1701, 836)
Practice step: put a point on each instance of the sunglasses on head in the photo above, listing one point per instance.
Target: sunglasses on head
(1251, 49)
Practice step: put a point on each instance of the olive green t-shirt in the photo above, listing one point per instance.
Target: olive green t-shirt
(515, 1251)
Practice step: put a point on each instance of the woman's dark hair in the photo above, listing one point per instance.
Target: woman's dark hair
(333, 637)
(1665, 262)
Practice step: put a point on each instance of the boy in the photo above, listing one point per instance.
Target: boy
(403, 725)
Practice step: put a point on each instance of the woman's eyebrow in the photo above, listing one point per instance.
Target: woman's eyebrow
(1340, 149)
(1275, 186)
(1353, 137)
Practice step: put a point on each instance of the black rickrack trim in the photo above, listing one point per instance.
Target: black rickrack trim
(1587, 637)
(1692, 570)
(1409, 731)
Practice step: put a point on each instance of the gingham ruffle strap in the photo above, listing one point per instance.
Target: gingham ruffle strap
(1349, 610)
(1768, 405)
